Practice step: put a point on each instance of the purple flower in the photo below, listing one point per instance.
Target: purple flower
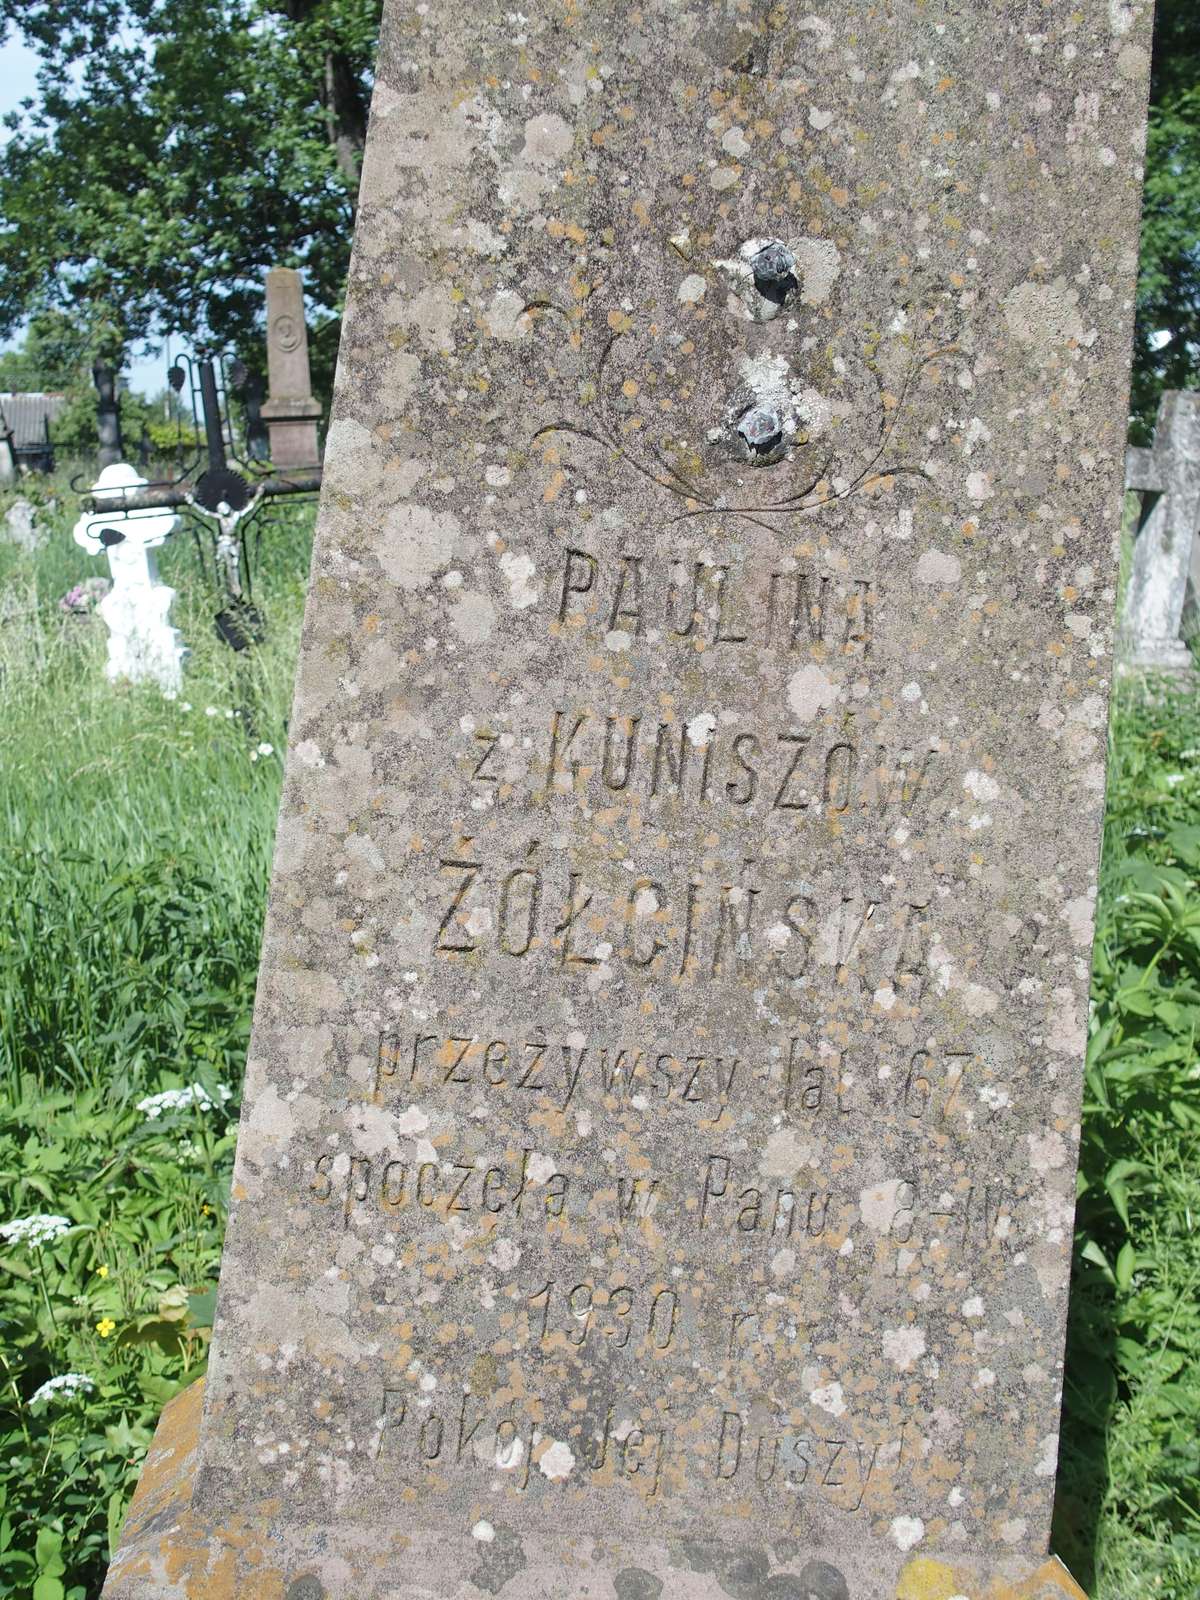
(83, 599)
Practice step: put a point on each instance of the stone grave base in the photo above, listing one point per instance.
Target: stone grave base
(170, 1552)
(1157, 655)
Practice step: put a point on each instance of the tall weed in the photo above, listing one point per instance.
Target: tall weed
(135, 836)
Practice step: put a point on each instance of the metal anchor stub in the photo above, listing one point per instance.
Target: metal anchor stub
(762, 429)
(774, 269)
(767, 413)
(762, 278)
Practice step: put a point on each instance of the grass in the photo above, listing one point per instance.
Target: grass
(135, 837)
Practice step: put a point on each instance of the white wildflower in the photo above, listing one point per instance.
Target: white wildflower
(180, 1099)
(210, 711)
(168, 694)
(185, 705)
(68, 1383)
(35, 1231)
(265, 749)
(229, 715)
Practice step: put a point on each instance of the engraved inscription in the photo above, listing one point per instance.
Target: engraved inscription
(700, 928)
(705, 603)
(924, 1086)
(696, 758)
(716, 1193)
(387, 1185)
(558, 1071)
(721, 1444)
(926, 1090)
(559, 1314)
(662, 1112)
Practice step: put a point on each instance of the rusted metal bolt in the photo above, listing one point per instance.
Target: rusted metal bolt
(762, 429)
(774, 268)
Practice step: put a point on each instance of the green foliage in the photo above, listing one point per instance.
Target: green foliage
(108, 1301)
(135, 834)
(145, 429)
(55, 356)
(115, 973)
(1128, 1513)
(174, 151)
(1169, 277)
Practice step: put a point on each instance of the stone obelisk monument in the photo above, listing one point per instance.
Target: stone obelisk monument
(290, 412)
(657, 1162)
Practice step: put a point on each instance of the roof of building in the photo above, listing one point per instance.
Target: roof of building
(26, 416)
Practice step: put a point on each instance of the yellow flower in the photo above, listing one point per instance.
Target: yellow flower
(102, 1272)
(105, 1326)
(206, 1210)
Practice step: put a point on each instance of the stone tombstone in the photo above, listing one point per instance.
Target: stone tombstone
(20, 527)
(656, 1169)
(291, 413)
(1167, 477)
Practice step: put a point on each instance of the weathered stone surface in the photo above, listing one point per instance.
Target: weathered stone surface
(167, 1548)
(658, 1153)
(291, 413)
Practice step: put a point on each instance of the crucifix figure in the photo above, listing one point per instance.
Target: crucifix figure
(228, 553)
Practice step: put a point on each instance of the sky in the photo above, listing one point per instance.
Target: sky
(18, 80)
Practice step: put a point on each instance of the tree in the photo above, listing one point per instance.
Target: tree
(175, 150)
(1167, 335)
(178, 148)
(53, 356)
(336, 37)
